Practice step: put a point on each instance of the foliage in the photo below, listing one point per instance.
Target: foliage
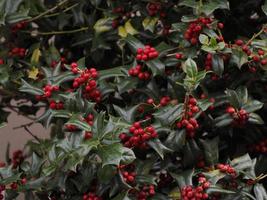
(144, 99)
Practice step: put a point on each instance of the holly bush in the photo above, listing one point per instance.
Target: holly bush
(144, 99)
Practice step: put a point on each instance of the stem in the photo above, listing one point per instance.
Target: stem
(186, 101)
(60, 32)
(48, 11)
(23, 125)
(34, 136)
(66, 10)
(256, 35)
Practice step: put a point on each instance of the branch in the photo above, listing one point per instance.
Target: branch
(25, 126)
(256, 35)
(34, 136)
(48, 11)
(59, 32)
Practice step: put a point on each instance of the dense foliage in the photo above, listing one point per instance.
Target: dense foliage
(144, 99)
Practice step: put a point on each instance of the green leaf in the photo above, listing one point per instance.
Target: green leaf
(176, 140)
(156, 66)
(264, 7)
(214, 176)
(26, 87)
(149, 23)
(159, 147)
(36, 164)
(252, 105)
(204, 104)
(63, 77)
(213, 189)
(169, 114)
(242, 93)
(16, 17)
(103, 25)
(189, 3)
(75, 120)
(100, 128)
(184, 178)
(255, 119)
(106, 173)
(146, 179)
(190, 68)
(127, 84)
(260, 192)
(2, 125)
(233, 98)
(217, 64)
(129, 28)
(128, 115)
(61, 113)
(210, 6)
(133, 43)
(223, 120)
(204, 39)
(111, 154)
(242, 162)
(10, 179)
(211, 150)
(128, 156)
(110, 73)
(238, 58)
(122, 196)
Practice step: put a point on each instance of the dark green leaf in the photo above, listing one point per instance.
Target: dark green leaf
(159, 147)
(211, 151)
(26, 87)
(217, 64)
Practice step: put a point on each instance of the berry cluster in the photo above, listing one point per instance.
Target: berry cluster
(91, 196)
(1, 61)
(188, 122)
(19, 26)
(2, 189)
(17, 158)
(208, 62)
(194, 29)
(14, 186)
(196, 193)
(147, 53)
(74, 68)
(56, 105)
(212, 100)
(260, 147)
(71, 128)
(257, 57)
(88, 135)
(123, 16)
(190, 125)
(153, 8)
(128, 173)
(48, 89)
(54, 63)
(17, 52)
(165, 179)
(87, 78)
(145, 192)
(138, 71)
(89, 119)
(164, 101)
(138, 136)
(240, 116)
(2, 164)
(225, 168)
(179, 56)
